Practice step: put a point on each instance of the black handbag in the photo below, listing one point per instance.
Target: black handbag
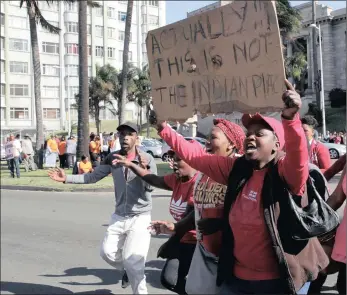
(310, 220)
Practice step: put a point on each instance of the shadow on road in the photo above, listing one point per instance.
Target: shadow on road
(27, 288)
(111, 276)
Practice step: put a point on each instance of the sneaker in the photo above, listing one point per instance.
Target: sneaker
(125, 280)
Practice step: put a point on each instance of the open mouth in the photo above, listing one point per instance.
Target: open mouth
(250, 148)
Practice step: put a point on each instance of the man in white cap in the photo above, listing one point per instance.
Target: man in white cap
(127, 238)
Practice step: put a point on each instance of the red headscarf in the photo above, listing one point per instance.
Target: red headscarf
(233, 132)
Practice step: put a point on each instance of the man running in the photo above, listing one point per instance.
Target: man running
(127, 238)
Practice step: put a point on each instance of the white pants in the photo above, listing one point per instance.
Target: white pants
(126, 245)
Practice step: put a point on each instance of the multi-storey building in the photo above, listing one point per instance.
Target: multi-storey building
(59, 56)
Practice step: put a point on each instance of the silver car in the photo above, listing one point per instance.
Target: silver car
(151, 147)
(335, 150)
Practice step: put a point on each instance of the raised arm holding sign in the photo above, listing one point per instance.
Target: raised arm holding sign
(224, 60)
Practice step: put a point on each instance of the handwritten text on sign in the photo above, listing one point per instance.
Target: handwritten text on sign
(224, 60)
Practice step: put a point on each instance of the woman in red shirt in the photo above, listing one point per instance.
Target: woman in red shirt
(318, 152)
(254, 267)
(181, 183)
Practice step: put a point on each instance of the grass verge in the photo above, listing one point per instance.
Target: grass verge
(39, 178)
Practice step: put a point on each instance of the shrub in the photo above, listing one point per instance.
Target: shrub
(337, 97)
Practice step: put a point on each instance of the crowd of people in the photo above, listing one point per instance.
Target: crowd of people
(229, 203)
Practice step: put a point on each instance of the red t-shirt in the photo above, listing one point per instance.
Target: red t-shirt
(182, 196)
(319, 155)
(246, 217)
(209, 200)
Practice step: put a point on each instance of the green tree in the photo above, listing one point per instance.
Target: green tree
(101, 87)
(124, 80)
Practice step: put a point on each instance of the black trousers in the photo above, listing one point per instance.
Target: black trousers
(62, 160)
(185, 256)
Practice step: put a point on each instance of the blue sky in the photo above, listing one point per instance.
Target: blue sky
(177, 10)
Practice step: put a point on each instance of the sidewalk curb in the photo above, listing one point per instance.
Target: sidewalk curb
(155, 193)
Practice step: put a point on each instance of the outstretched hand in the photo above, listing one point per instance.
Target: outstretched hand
(153, 120)
(57, 174)
(142, 160)
(292, 101)
(121, 160)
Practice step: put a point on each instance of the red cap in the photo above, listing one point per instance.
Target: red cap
(273, 124)
(194, 145)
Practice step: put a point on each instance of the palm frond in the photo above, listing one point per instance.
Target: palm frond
(93, 4)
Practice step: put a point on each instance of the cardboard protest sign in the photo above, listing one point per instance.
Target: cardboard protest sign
(9, 150)
(224, 60)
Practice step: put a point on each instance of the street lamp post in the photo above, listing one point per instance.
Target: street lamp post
(322, 101)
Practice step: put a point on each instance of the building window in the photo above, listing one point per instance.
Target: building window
(18, 22)
(3, 113)
(153, 20)
(19, 44)
(99, 11)
(70, 6)
(122, 16)
(111, 12)
(99, 51)
(2, 42)
(17, 67)
(153, 3)
(2, 19)
(130, 56)
(74, 113)
(48, 47)
(3, 89)
(111, 52)
(14, 3)
(19, 90)
(72, 70)
(122, 2)
(50, 70)
(72, 91)
(120, 55)
(89, 71)
(111, 33)
(121, 36)
(19, 113)
(89, 50)
(51, 113)
(2, 66)
(71, 48)
(50, 91)
(89, 29)
(72, 27)
(99, 31)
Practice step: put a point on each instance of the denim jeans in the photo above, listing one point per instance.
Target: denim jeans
(14, 166)
(240, 287)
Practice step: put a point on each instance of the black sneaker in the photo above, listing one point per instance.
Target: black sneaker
(125, 280)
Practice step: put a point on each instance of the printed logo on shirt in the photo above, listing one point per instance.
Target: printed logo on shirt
(178, 208)
(252, 195)
(209, 194)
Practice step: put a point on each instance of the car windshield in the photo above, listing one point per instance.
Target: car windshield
(148, 143)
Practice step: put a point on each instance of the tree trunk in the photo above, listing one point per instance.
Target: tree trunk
(125, 61)
(97, 119)
(147, 118)
(140, 118)
(83, 107)
(37, 79)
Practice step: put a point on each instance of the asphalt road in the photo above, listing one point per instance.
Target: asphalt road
(50, 244)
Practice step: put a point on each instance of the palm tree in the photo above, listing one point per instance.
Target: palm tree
(101, 89)
(142, 92)
(83, 107)
(124, 80)
(35, 17)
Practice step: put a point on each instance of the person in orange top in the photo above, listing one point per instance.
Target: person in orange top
(62, 152)
(318, 152)
(85, 166)
(51, 152)
(94, 147)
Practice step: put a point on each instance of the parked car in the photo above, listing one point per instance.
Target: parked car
(151, 147)
(3, 152)
(335, 150)
(165, 148)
